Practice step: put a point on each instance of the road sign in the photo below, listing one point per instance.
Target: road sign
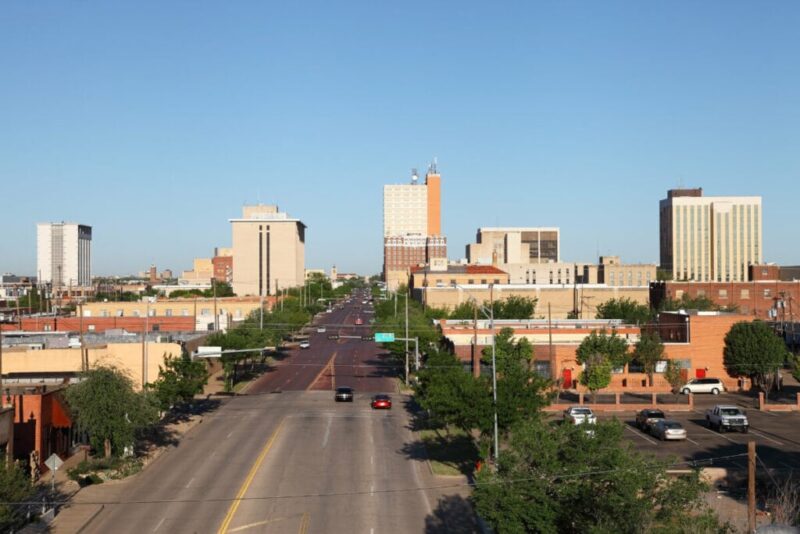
(334, 336)
(54, 462)
(384, 337)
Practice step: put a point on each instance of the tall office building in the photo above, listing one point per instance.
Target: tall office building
(412, 226)
(64, 254)
(709, 238)
(268, 251)
(515, 245)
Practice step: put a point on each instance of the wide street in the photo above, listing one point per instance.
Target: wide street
(285, 458)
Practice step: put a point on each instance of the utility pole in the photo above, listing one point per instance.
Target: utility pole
(751, 486)
(261, 309)
(550, 332)
(216, 318)
(144, 343)
(84, 359)
(406, 324)
(476, 361)
(494, 373)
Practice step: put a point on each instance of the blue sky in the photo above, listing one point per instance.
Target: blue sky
(155, 121)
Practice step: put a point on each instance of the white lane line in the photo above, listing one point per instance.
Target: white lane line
(372, 530)
(327, 432)
(723, 436)
(159, 524)
(372, 460)
(641, 435)
(214, 453)
(190, 482)
(229, 434)
(775, 441)
(372, 490)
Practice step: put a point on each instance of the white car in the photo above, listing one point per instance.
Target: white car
(579, 414)
(703, 385)
(321, 330)
(305, 344)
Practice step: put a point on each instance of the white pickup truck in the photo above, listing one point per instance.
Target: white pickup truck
(725, 417)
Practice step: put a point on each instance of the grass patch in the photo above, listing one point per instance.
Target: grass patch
(450, 453)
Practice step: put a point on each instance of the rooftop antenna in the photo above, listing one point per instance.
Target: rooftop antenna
(432, 167)
(414, 176)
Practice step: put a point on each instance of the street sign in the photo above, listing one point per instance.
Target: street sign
(54, 462)
(384, 337)
(334, 336)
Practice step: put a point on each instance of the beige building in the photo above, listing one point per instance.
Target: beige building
(581, 299)
(64, 254)
(515, 245)
(202, 272)
(21, 362)
(709, 239)
(202, 309)
(268, 251)
(611, 271)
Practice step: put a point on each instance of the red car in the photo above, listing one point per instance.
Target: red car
(359, 321)
(381, 402)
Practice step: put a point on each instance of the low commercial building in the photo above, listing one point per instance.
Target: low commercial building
(439, 273)
(201, 273)
(575, 300)
(611, 271)
(42, 424)
(696, 341)
(57, 323)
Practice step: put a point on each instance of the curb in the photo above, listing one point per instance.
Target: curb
(91, 518)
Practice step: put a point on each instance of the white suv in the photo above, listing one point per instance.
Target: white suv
(703, 385)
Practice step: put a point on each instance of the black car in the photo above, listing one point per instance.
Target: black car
(344, 394)
(647, 418)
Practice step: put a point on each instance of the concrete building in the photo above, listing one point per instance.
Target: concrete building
(412, 226)
(268, 251)
(441, 274)
(611, 271)
(515, 245)
(64, 254)
(202, 272)
(709, 239)
(577, 300)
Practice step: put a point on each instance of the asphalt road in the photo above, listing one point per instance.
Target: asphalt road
(296, 461)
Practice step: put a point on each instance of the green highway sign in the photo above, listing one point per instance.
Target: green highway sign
(384, 337)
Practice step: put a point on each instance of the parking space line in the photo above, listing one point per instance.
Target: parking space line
(641, 435)
(723, 436)
(775, 441)
(693, 441)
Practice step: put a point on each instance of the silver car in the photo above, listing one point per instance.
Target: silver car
(665, 430)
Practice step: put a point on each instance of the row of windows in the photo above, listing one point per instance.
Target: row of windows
(453, 282)
(744, 294)
(184, 312)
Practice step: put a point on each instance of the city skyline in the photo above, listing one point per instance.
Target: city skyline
(579, 117)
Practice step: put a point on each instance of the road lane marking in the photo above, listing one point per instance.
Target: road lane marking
(775, 441)
(190, 482)
(327, 432)
(321, 371)
(229, 434)
(257, 524)
(372, 490)
(159, 524)
(304, 524)
(641, 435)
(693, 441)
(249, 480)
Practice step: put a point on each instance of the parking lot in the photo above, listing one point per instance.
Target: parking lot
(777, 436)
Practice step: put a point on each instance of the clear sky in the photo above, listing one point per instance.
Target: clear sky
(155, 121)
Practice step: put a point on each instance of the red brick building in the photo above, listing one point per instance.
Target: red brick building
(223, 268)
(766, 296)
(101, 324)
(42, 422)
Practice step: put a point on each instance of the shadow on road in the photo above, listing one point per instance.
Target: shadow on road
(453, 513)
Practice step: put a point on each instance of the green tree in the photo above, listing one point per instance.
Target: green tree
(600, 353)
(106, 406)
(15, 487)
(515, 307)
(465, 310)
(179, 380)
(686, 302)
(561, 479)
(649, 350)
(673, 375)
(753, 350)
(626, 309)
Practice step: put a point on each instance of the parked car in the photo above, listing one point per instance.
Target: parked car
(664, 430)
(579, 414)
(321, 330)
(646, 419)
(359, 321)
(344, 394)
(305, 345)
(727, 417)
(381, 402)
(703, 385)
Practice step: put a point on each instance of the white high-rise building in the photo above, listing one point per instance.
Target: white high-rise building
(709, 239)
(64, 254)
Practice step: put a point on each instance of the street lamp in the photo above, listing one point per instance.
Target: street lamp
(490, 316)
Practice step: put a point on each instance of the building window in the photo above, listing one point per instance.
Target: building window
(767, 293)
(185, 312)
(168, 312)
(496, 280)
(48, 327)
(723, 293)
(136, 313)
(91, 328)
(679, 294)
(452, 281)
(119, 313)
(205, 311)
(744, 294)
(151, 312)
(701, 292)
(103, 313)
(483, 280)
(238, 313)
(470, 281)
(611, 279)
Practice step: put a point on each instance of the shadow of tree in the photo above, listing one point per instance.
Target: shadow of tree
(453, 513)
